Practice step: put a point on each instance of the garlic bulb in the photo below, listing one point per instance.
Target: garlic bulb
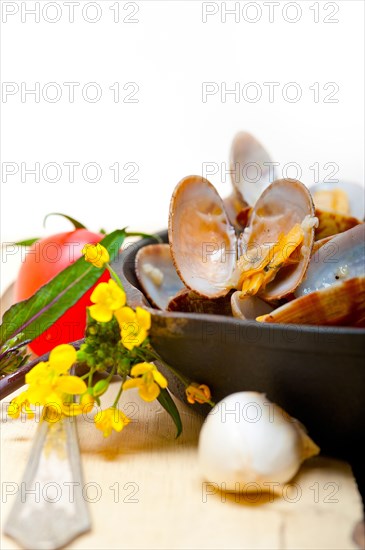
(246, 439)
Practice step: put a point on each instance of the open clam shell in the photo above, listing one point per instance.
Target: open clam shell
(333, 223)
(341, 304)
(251, 168)
(157, 275)
(340, 258)
(249, 307)
(355, 207)
(283, 204)
(203, 243)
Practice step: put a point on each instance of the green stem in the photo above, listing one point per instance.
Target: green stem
(114, 275)
(119, 393)
(112, 372)
(90, 376)
(182, 378)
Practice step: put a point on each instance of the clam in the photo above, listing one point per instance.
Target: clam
(274, 250)
(342, 197)
(341, 304)
(203, 243)
(250, 166)
(157, 275)
(333, 291)
(340, 258)
(339, 207)
(332, 223)
(284, 205)
(248, 307)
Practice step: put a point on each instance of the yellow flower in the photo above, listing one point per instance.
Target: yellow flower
(149, 381)
(134, 326)
(84, 407)
(19, 404)
(111, 419)
(49, 382)
(96, 254)
(107, 298)
(199, 394)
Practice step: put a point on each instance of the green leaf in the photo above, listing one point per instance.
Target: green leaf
(75, 223)
(27, 242)
(34, 315)
(168, 404)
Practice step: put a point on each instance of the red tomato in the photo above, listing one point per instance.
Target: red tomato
(43, 261)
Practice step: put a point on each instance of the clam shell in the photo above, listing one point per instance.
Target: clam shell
(203, 243)
(250, 167)
(157, 275)
(332, 223)
(249, 307)
(234, 205)
(318, 244)
(342, 304)
(340, 258)
(283, 204)
(355, 193)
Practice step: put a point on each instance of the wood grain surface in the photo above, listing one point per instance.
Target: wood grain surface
(145, 490)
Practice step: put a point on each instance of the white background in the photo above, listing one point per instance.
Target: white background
(170, 132)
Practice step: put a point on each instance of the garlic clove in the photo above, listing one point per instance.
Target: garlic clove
(246, 439)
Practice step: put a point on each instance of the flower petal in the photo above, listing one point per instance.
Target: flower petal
(96, 254)
(101, 313)
(143, 318)
(62, 358)
(37, 395)
(38, 373)
(142, 368)
(125, 315)
(117, 295)
(71, 384)
(72, 409)
(110, 419)
(119, 420)
(159, 378)
(99, 293)
(129, 384)
(149, 392)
